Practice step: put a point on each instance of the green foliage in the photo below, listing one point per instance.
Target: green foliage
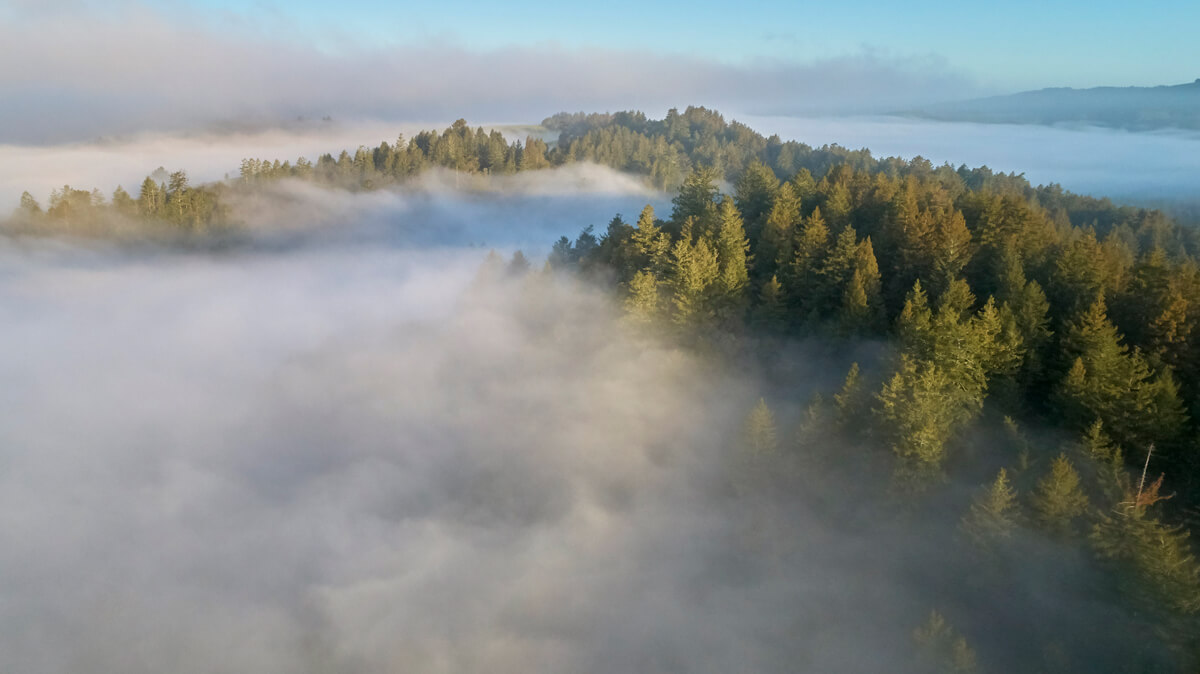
(941, 649)
(1155, 558)
(731, 247)
(775, 246)
(694, 271)
(644, 303)
(994, 513)
(759, 433)
(920, 409)
(755, 194)
(1058, 499)
(697, 199)
(1108, 382)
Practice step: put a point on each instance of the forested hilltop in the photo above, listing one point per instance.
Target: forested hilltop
(1056, 330)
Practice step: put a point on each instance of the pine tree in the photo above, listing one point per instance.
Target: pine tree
(920, 410)
(643, 303)
(835, 272)
(854, 316)
(1160, 569)
(151, 199)
(993, 514)
(123, 203)
(770, 315)
(518, 265)
(809, 250)
(731, 246)
(759, 434)
(915, 323)
(1106, 381)
(774, 251)
(942, 650)
(694, 270)
(950, 241)
(697, 198)
(1108, 461)
(866, 277)
(836, 201)
(651, 243)
(29, 207)
(850, 403)
(1058, 499)
(755, 196)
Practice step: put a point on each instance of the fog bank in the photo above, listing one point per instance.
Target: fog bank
(206, 155)
(1102, 162)
(361, 456)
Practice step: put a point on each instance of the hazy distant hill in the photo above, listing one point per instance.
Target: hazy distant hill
(1133, 108)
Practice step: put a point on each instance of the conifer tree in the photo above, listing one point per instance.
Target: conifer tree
(854, 316)
(866, 307)
(850, 403)
(643, 302)
(1058, 499)
(731, 246)
(518, 265)
(919, 411)
(759, 434)
(151, 199)
(1108, 382)
(774, 251)
(771, 313)
(809, 250)
(1159, 568)
(651, 243)
(123, 203)
(993, 514)
(915, 323)
(755, 196)
(29, 206)
(697, 198)
(694, 270)
(942, 650)
(835, 271)
(950, 241)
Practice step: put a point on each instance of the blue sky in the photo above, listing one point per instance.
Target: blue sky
(1010, 45)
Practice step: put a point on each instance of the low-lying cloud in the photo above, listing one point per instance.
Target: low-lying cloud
(443, 208)
(89, 72)
(355, 457)
(355, 453)
(1089, 160)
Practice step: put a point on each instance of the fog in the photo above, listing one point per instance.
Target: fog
(206, 155)
(1132, 167)
(1128, 166)
(355, 455)
(85, 70)
(346, 446)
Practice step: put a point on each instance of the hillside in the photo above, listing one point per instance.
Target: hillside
(1130, 108)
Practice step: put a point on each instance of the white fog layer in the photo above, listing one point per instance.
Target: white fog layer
(353, 459)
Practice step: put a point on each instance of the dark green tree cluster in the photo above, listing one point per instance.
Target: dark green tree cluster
(1066, 311)
(458, 148)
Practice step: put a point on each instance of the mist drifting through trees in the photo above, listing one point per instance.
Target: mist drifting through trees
(746, 405)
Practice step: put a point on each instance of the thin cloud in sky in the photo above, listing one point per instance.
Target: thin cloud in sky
(77, 75)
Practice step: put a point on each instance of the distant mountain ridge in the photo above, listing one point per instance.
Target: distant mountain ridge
(1131, 108)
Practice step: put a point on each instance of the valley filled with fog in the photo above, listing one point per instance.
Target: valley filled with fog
(349, 445)
(784, 338)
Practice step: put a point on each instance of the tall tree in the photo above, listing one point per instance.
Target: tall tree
(1058, 499)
